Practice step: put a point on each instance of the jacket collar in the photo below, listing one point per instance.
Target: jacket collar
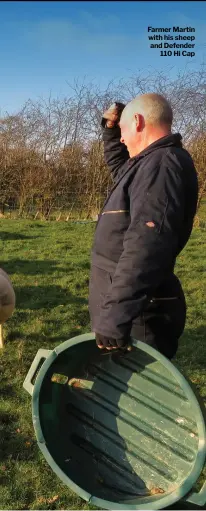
(170, 140)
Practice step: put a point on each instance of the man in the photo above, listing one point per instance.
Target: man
(7, 301)
(145, 222)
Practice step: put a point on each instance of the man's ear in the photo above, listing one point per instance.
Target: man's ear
(139, 122)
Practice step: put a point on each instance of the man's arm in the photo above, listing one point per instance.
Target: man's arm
(115, 153)
(150, 247)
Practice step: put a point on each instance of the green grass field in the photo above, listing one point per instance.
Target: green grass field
(49, 267)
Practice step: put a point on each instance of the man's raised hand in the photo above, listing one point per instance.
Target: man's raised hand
(112, 115)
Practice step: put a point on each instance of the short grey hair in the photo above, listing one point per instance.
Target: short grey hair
(155, 108)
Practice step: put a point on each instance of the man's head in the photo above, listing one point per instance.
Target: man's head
(144, 120)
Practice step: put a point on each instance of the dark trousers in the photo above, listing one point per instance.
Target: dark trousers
(160, 325)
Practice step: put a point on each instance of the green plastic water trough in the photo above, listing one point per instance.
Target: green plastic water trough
(122, 431)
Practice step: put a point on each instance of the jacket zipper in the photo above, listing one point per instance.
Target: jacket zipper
(116, 211)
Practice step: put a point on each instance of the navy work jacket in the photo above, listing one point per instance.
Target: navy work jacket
(145, 222)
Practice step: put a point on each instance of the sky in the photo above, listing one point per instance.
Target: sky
(46, 45)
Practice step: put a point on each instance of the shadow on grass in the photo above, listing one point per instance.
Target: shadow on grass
(33, 267)
(7, 236)
(13, 444)
(41, 297)
(45, 267)
(7, 391)
(85, 265)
